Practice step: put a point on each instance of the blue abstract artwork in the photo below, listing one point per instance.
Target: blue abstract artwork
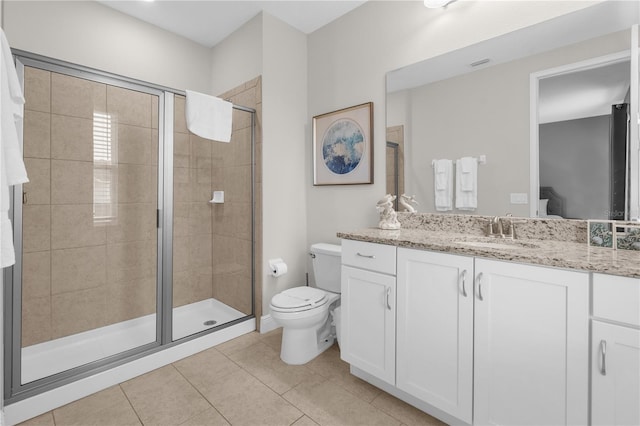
(343, 146)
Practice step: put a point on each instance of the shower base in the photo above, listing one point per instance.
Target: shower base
(190, 319)
(55, 356)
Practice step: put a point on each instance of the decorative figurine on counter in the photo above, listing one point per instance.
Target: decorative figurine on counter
(406, 201)
(388, 216)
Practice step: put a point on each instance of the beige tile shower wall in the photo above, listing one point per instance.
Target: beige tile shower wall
(212, 242)
(80, 274)
(232, 220)
(192, 234)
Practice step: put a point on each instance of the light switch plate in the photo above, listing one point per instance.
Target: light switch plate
(519, 198)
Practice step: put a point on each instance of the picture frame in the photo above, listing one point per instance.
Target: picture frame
(343, 146)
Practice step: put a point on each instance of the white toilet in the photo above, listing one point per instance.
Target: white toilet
(304, 312)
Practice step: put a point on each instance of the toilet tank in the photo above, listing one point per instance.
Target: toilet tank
(327, 260)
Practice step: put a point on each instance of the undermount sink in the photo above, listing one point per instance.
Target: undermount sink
(501, 244)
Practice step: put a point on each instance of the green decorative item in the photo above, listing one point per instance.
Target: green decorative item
(630, 240)
(614, 234)
(600, 235)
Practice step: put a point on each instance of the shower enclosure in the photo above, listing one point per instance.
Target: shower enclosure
(119, 251)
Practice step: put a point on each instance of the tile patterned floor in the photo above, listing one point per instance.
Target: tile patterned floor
(241, 382)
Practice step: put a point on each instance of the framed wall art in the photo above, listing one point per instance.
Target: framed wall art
(343, 146)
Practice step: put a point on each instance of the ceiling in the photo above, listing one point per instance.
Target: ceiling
(208, 22)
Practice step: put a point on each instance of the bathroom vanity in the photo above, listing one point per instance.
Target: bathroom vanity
(476, 330)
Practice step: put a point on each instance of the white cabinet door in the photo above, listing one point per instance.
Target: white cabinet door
(369, 322)
(531, 345)
(615, 375)
(435, 330)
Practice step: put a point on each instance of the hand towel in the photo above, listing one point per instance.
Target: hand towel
(467, 176)
(443, 184)
(12, 169)
(209, 117)
(466, 183)
(442, 168)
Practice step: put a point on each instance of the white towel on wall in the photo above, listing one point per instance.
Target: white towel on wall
(467, 183)
(443, 184)
(12, 170)
(209, 117)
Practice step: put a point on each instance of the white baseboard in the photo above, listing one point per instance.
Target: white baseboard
(39, 404)
(267, 324)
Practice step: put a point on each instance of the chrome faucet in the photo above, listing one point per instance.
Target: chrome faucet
(501, 227)
(497, 226)
(508, 226)
(493, 228)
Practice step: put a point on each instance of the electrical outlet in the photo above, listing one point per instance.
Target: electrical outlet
(519, 198)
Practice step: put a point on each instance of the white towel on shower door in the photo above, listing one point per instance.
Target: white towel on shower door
(209, 117)
(466, 183)
(443, 184)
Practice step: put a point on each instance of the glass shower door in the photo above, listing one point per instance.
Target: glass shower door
(89, 264)
(212, 233)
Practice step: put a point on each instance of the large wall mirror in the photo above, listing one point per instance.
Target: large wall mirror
(549, 107)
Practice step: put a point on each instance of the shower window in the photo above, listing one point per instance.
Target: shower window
(105, 170)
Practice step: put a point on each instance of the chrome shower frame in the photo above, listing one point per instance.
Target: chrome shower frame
(14, 390)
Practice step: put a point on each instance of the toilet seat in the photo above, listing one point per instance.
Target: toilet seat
(298, 299)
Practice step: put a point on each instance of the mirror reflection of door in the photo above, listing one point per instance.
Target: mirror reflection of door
(583, 142)
(395, 162)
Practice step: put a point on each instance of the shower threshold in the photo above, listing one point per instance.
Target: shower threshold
(55, 356)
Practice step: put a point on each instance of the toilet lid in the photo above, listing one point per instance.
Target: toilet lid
(299, 298)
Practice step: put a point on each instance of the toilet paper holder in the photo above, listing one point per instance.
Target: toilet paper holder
(277, 267)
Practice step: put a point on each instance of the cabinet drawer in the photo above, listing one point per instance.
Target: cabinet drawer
(374, 257)
(616, 298)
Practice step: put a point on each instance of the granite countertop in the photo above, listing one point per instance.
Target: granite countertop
(560, 254)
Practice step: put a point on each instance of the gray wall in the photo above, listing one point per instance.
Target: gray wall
(574, 160)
